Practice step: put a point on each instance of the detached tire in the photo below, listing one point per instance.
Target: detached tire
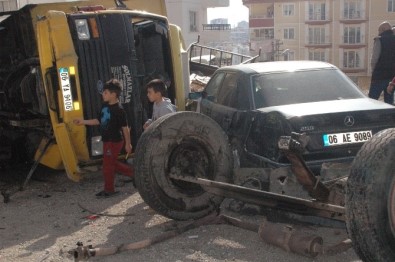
(186, 144)
(370, 199)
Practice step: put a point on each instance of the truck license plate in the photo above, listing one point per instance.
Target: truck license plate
(346, 138)
(66, 88)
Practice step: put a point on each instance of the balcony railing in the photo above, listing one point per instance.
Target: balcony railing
(268, 37)
(317, 16)
(354, 40)
(353, 15)
(216, 27)
(318, 41)
(262, 16)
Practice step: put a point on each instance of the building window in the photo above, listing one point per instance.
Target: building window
(317, 55)
(317, 35)
(288, 9)
(316, 11)
(352, 35)
(352, 9)
(193, 21)
(289, 55)
(264, 33)
(391, 5)
(351, 59)
(289, 33)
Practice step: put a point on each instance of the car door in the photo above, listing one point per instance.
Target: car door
(220, 94)
(227, 101)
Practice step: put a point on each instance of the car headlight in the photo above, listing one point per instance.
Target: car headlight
(82, 29)
(96, 146)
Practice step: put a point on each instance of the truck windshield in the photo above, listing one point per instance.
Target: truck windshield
(297, 87)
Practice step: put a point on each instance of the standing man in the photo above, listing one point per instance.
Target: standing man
(383, 63)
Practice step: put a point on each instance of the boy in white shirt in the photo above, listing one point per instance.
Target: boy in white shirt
(156, 91)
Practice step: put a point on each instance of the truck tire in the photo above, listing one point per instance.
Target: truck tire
(185, 144)
(370, 199)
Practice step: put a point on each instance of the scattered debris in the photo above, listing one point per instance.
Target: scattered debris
(104, 214)
(197, 82)
(281, 235)
(92, 217)
(339, 248)
(289, 239)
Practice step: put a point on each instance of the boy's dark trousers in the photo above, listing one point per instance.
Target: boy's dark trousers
(111, 165)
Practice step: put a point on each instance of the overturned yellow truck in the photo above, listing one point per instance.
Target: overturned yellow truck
(54, 61)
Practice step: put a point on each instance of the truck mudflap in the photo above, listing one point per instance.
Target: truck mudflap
(70, 161)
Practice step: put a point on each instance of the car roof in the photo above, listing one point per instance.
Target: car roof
(279, 66)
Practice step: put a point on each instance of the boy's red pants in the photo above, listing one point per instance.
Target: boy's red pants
(111, 165)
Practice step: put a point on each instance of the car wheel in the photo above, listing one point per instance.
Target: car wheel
(370, 199)
(185, 144)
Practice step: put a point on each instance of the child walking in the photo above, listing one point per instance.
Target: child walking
(115, 135)
(156, 92)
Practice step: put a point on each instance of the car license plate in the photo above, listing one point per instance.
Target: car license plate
(346, 138)
(66, 88)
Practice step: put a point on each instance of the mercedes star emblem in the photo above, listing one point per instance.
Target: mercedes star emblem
(349, 121)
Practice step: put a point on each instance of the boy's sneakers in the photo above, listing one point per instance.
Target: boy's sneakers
(104, 194)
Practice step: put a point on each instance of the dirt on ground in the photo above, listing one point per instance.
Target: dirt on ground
(46, 220)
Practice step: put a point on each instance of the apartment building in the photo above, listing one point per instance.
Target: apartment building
(340, 32)
(191, 16)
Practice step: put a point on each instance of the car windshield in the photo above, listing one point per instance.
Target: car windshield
(297, 87)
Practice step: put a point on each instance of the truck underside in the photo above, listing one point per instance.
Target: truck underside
(131, 47)
(23, 110)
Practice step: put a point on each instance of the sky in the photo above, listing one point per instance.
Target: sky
(235, 13)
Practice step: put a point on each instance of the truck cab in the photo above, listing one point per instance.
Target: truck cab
(59, 74)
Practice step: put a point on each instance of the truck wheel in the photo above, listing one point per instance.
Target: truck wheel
(370, 199)
(185, 144)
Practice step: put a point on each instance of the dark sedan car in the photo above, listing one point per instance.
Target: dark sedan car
(257, 103)
(244, 148)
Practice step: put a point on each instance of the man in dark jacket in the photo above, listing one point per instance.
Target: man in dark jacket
(383, 63)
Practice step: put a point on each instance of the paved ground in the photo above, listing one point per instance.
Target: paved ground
(46, 220)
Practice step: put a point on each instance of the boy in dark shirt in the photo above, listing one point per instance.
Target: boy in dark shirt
(115, 134)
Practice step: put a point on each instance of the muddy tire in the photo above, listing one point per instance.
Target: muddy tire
(370, 199)
(187, 144)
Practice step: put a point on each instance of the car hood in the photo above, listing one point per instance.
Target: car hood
(329, 107)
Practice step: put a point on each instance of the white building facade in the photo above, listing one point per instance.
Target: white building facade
(191, 17)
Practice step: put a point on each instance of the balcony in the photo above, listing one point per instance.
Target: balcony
(216, 27)
(318, 42)
(265, 20)
(352, 46)
(353, 42)
(353, 16)
(353, 69)
(317, 18)
(247, 2)
(318, 45)
(262, 38)
(215, 3)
